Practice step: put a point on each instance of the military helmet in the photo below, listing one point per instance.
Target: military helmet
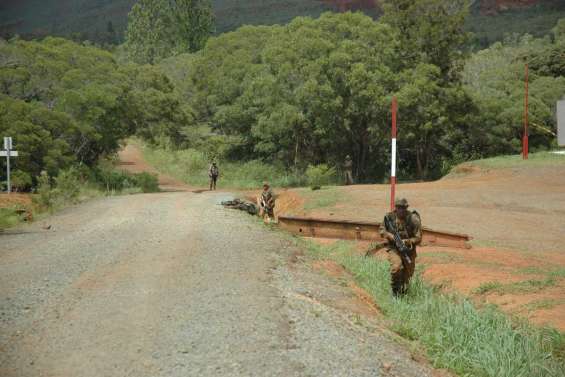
(401, 203)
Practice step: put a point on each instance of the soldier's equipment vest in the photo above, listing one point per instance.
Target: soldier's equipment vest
(408, 230)
(410, 224)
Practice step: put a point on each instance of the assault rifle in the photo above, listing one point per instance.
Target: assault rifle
(400, 245)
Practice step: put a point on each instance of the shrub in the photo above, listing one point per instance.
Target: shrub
(21, 181)
(67, 185)
(112, 180)
(147, 182)
(45, 197)
(320, 175)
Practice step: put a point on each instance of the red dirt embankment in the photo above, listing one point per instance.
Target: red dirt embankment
(516, 217)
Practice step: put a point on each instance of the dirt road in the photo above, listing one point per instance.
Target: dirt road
(172, 284)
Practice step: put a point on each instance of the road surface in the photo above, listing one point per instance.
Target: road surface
(172, 284)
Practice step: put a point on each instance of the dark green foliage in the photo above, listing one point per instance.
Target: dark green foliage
(67, 104)
(161, 28)
(316, 90)
(147, 182)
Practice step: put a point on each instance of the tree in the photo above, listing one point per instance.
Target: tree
(158, 29)
(430, 32)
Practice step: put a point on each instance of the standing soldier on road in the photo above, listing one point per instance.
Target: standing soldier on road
(348, 168)
(408, 225)
(213, 173)
(266, 203)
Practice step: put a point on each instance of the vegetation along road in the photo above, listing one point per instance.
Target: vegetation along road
(172, 284)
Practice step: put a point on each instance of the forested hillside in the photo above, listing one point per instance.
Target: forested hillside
(295, 98)
(66, 105)
(104, 21)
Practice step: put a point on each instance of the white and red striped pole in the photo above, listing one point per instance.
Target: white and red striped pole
(393, 157)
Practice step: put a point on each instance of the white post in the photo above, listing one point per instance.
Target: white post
(8, 170)
(8, 148)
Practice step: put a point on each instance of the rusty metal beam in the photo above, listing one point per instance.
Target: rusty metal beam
(362, 231)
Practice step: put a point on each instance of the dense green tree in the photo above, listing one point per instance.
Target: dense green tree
(430, 32)
(161, 28)
(65, 103)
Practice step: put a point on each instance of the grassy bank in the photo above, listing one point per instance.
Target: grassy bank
(191, 167)
(539, 159)
(470, 341)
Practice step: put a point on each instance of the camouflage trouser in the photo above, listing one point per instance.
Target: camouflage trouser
(348, 177)
(213, 180)
(400, 271)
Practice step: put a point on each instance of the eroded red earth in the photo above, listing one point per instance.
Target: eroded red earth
(516, 217)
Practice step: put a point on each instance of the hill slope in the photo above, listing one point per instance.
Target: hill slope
(89, 19)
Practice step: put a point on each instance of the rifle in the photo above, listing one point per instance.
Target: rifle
(400, 245)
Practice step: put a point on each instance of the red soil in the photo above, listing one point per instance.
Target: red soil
(515, 216)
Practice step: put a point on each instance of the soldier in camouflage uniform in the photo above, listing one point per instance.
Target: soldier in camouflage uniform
(409, 227)
(348, 170)
(266, 203)
(213, 173)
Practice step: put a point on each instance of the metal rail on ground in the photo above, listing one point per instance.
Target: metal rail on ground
(362, 231)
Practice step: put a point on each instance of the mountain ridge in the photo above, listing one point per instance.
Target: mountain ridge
(95, 19)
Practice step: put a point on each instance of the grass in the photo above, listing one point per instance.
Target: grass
(191, 167)
(521, 287)
(538, 159)
(324, 198)
(550, 273)
(9, 217)
(543, 304)
(455, 334)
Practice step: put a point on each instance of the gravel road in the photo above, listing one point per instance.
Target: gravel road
(172, 284)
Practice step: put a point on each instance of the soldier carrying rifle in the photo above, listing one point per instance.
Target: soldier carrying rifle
(266, 203)
(402, 229)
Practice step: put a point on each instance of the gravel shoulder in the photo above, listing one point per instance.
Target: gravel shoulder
(172, 284)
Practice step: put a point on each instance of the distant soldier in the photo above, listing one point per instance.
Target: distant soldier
(213, 173)
(266, 203)
(409, 227)
(348, 169)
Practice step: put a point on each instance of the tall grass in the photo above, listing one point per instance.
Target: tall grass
(456, 335)
(191, 167)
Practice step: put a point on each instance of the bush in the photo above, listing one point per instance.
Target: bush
(21, 181)
(320, 175)
(45, 197)
(112, 180)
(147, 182)
(67, 186)
(8, 217)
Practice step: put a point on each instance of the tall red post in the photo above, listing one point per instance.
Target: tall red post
(393, 157)
(525, 141)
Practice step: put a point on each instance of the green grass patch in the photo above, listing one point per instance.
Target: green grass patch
(324, 198)
(550, 273)
(456, 335)
(542, 304)
(521, 287)
(191, 166)
(9, 217)
(538, 159)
